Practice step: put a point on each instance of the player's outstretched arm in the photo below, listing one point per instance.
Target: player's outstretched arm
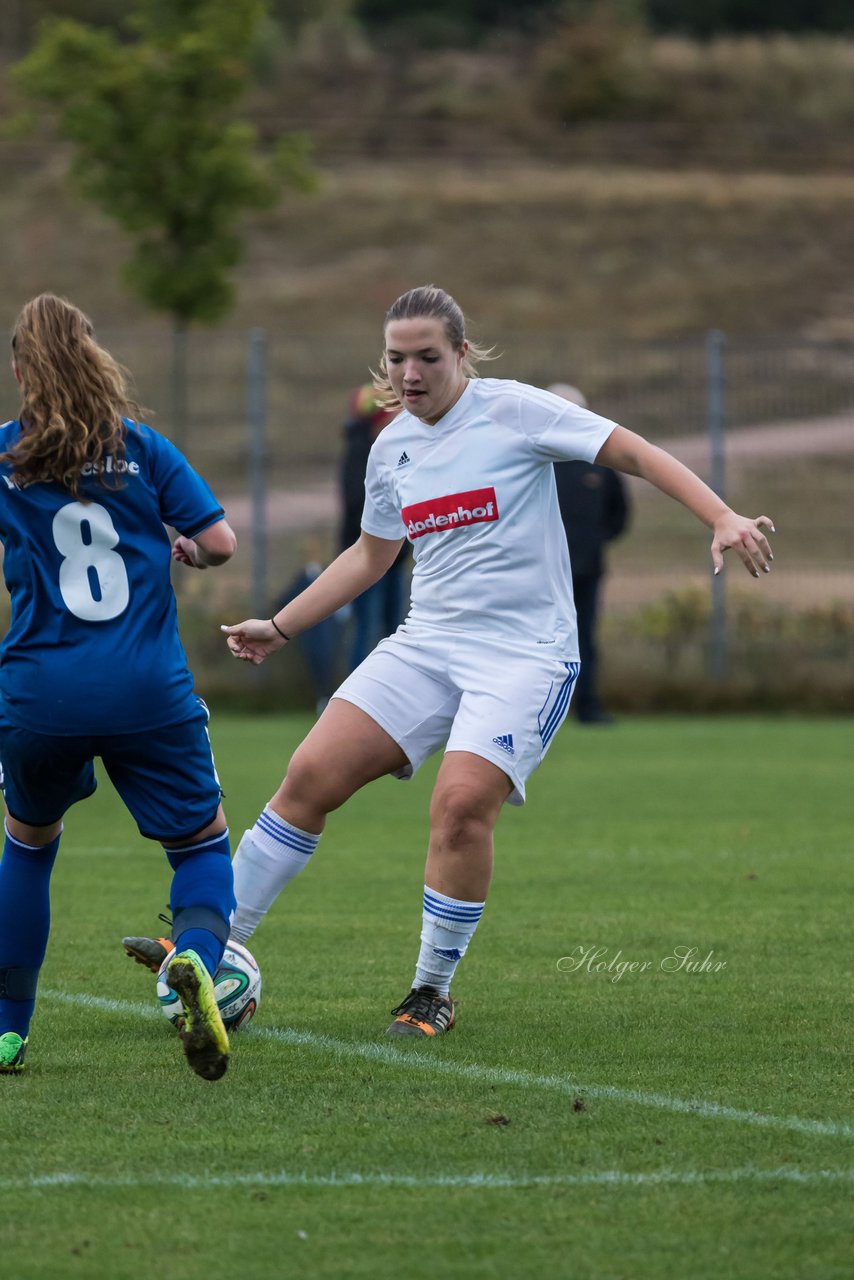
(212, 546)
(356, 569)
(628, 452)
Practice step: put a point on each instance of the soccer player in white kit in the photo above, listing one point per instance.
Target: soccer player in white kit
(485, 662)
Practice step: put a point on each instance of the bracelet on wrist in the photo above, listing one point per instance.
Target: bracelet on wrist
(279, 629)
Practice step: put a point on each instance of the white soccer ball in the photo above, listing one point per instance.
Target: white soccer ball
(237, 984)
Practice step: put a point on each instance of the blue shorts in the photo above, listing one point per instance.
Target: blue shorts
(166, 777)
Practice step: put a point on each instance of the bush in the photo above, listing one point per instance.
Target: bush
(595, 66)
(778, 657)
(777, 79)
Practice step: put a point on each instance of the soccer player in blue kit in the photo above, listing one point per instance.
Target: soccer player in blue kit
(93, 665)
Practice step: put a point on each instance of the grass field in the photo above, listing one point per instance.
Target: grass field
(660, 1124)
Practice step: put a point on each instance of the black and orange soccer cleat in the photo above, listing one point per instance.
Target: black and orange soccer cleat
(150, 952)
(423, 1013)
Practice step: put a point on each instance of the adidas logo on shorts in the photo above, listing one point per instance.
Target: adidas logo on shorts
(505, 742)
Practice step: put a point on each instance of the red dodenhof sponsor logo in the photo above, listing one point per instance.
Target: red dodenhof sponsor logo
(453, 511)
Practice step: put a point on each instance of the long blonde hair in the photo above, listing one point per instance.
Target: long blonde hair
(74, 396)
(428, 301)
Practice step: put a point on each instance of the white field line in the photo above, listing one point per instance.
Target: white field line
(390, 1056)
(475, 1181)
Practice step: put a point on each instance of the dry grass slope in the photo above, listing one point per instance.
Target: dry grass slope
(558, 241)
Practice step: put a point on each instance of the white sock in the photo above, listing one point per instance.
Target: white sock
(448, 925)
(267, 858)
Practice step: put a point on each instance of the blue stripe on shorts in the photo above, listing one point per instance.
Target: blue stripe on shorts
(550, 717)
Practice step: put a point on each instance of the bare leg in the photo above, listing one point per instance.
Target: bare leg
(467, 800)
(214, 828)
(343, 751)
(36, 837)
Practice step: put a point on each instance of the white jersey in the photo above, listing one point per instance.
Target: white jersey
(475, 494)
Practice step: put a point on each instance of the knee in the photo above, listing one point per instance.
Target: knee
(309, 785)
(459, 816)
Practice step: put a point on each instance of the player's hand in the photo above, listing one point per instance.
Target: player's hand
(745, 537)
(185, 551)
(253, 640)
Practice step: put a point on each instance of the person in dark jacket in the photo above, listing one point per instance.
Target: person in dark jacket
(320, 645)
(378, 611)
(594, 507)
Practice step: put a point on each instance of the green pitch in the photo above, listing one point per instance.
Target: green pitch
(650, 1077)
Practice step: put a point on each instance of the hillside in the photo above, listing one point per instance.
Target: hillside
(719, 195)
(602, 253)
(536, 248)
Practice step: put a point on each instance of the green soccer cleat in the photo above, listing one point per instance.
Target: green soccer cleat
(203, 1034)
(13, 1051)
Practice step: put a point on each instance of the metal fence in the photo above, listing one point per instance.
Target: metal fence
(768, 422)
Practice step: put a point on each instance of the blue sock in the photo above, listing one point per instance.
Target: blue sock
(202, 898)
(24, 925)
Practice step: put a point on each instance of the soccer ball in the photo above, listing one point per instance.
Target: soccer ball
(237, 984)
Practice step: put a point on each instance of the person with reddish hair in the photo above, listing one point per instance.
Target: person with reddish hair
(92, 664)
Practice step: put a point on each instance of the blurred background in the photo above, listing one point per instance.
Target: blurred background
(649, 200)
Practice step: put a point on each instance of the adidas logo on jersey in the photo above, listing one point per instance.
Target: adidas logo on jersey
(505, 742)
(403, 460)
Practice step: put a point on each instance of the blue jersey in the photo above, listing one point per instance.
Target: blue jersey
(93, 645)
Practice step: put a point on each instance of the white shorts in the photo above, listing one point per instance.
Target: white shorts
(429, 689)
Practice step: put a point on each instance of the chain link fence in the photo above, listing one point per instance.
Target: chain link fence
(262, 419)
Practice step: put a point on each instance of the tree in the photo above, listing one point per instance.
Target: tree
(158, 146)
(705, 18)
